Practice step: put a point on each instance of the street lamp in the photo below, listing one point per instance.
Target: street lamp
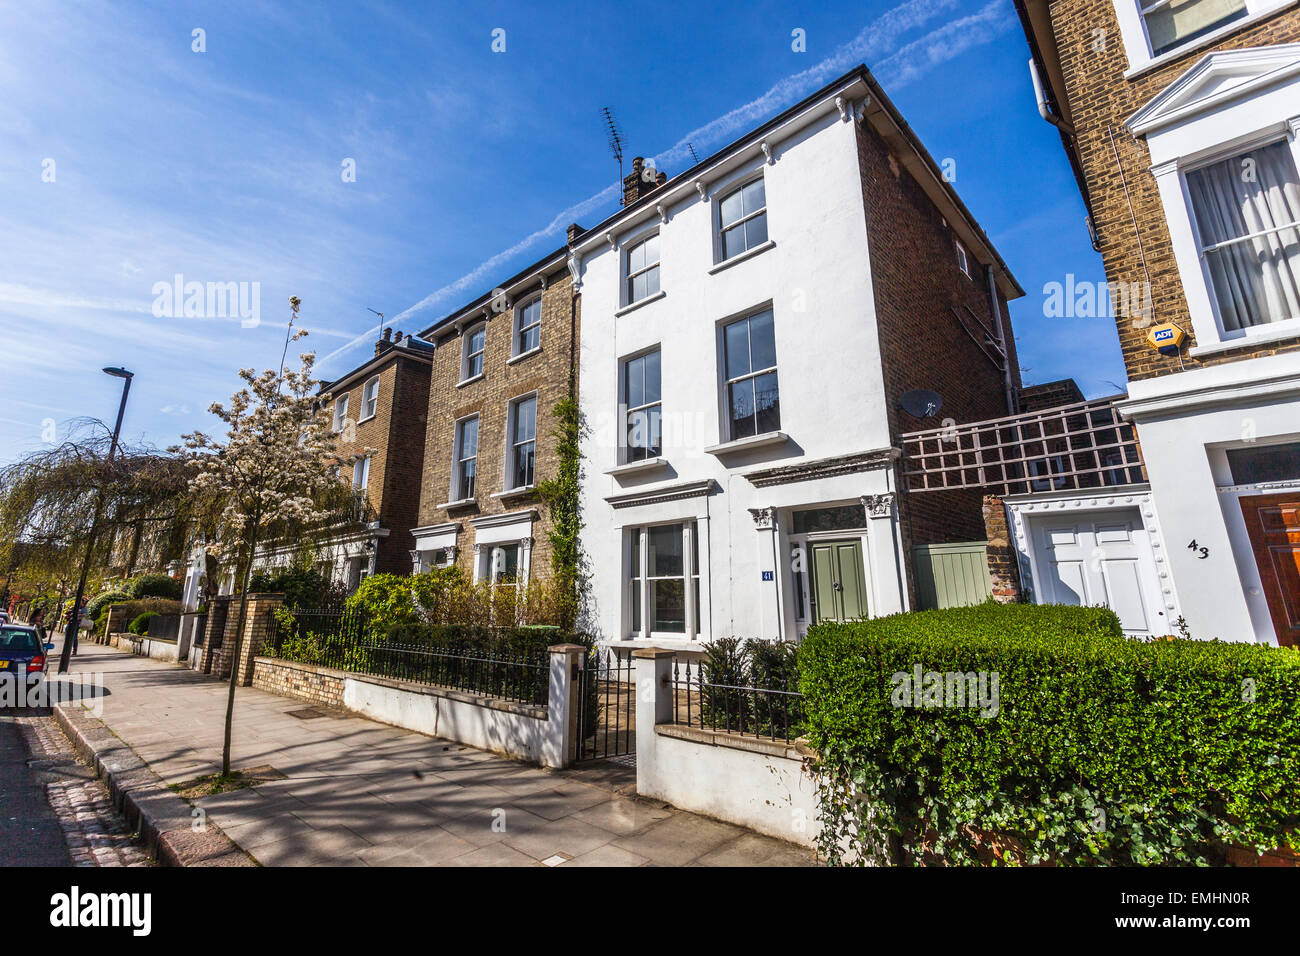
(74, 619)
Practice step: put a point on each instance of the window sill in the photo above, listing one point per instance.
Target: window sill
(366, 419)
(515, 492)
(469, 381)
(640, 302)
(637, 467)
(1284, 330)
(522, 355)
(462, 503)
(742, 256)
(748, 444)
(1200, 43)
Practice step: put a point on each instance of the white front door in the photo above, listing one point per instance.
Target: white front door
(1101, 558)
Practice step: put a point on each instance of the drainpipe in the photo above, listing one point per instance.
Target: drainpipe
(1008, 382)
(1044, 110)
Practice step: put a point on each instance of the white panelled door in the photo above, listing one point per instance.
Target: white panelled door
(1101, 558)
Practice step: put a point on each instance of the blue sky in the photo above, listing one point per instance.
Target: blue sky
(226, 166)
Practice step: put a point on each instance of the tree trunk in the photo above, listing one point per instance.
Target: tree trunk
(239, 641)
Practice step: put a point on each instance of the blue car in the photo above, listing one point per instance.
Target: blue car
(22, 654)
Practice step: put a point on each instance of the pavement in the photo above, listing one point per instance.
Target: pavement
(360, 793)
(53, 812)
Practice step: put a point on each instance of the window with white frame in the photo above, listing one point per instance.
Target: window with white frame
(1247, 216)
(742, 215)
(361, 474)
(642, 405)
(503, 566)
(370, 398)
(643, 269)
(753, 400)
(465, 466)
(522, 457)
(340, 412)
(1171, 23)
(472, 360)
(664, 580)
(963, 259)
(528, 326)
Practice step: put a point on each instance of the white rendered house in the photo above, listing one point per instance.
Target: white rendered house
(740, 462)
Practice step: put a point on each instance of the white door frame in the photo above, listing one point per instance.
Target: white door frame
(1022, 508)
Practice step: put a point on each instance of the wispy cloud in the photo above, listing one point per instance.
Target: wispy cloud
(876, 42)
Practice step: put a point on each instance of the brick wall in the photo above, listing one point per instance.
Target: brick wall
(547, 373)
(918, 283)
(1101, 100)
(397, 435)
(1004, 570)
(320, 685)
(1034, 398)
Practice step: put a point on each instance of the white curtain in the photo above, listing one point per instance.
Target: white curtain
(1257, 280)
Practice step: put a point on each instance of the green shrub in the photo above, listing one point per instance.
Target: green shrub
(100, 602)
(133, 609)
(1102, 749)
(155, 585)
(301, 586)
(141, 624)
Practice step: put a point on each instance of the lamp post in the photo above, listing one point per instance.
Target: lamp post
(74, 619)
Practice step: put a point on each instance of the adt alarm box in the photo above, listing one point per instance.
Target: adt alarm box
(1167, 339)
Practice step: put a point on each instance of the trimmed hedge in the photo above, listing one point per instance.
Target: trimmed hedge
(1102, 750)
(100, 602)
(155, 585)
(141, 624)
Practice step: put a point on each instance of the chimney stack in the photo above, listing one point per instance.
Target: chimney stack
(638, 183)
(384, 341)
(574, 231)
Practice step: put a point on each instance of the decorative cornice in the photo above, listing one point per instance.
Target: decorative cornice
(654, 496)
(764, 518)
(446, 527)
(823, 468)
(510, 517)
(878, 506)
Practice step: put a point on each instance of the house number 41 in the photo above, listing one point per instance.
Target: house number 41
(1202, 553)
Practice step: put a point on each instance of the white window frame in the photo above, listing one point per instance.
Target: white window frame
(361, 473)
(625, 256)
(1137, 44)
(963, 258)
(725, 394)
(626, 411)
(719, 248)
(467, 337)
(458, 434)
(369, 402)
(513, 443)
(1213, 133)
(340, 412)
(692, 574)
(517, 337)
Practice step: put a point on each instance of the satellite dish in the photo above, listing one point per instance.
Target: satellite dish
(920, 402)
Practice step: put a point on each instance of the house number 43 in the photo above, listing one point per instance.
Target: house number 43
(1201, 553)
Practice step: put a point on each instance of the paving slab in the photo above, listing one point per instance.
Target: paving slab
(359, 793)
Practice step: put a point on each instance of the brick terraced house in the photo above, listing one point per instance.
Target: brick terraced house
(1181, 119)
(500, 366)
(752, 327)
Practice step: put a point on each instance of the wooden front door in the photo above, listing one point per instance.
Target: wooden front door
(839, 586)
(1273, 523)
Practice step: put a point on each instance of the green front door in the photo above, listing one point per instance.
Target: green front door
(839, 587)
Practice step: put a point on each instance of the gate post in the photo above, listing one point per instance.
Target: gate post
(654, 700)
(560, 748)
(1004, 568)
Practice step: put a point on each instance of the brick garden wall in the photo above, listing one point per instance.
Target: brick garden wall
(320, 685)
(1101, 100)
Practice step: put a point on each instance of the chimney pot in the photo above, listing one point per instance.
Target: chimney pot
(388, 333)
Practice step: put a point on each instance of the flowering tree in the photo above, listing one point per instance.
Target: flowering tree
(269, 479)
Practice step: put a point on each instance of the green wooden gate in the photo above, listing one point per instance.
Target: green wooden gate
(951, 575)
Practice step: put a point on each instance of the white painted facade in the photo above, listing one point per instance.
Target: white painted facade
(1188, 422)
(813, 274)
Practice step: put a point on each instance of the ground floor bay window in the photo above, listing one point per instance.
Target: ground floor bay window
(664, 581)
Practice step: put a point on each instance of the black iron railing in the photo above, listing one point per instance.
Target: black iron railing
(774, 712)
(342, 640)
